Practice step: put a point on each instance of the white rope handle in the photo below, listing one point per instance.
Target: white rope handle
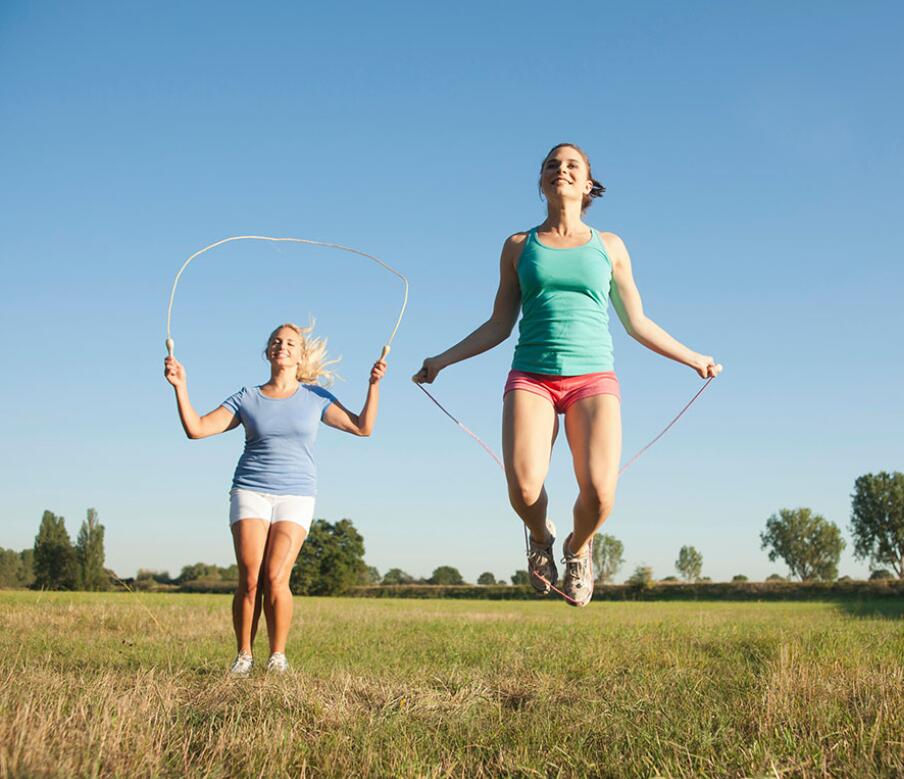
(169, 311)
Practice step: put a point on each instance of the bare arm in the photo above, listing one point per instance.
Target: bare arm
(217, 421)
(629, 307)
(338, 416)
(497, 328)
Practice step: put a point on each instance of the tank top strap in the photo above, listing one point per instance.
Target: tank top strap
(601, 246)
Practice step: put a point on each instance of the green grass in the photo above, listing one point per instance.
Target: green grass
(135, 685)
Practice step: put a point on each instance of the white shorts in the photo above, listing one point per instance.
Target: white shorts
(248, 504)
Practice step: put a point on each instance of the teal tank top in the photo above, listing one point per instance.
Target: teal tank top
(564, 328)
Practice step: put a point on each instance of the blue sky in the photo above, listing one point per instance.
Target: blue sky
(753, 163)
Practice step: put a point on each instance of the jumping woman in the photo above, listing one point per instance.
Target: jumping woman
(561, 275)
(275, 482)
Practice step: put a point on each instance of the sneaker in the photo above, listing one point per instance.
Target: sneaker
(541, 562)
(277, 663)
(242, 664)
(578, 584)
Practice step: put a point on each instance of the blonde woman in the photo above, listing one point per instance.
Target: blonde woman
(561, 276)
(275, 482)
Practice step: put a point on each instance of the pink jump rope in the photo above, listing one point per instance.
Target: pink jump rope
(491, 453)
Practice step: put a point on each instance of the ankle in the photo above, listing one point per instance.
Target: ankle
(544, 541)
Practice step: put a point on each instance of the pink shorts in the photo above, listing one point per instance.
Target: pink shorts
(562, 391)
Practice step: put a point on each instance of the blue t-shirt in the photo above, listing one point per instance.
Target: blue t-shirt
(279, 439)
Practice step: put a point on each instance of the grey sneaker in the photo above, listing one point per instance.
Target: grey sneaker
(242, 664)
(541, 562)
(277, 663)
(578, 583)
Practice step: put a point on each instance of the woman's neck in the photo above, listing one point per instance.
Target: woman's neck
(283, 379)
(563, 219)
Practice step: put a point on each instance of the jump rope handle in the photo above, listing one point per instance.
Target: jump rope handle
(169, 347)
(717, 369)
(384, 352)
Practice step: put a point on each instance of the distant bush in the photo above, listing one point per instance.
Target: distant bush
(882, 573)
(642, 578)
(738, 591)
(739, 577)
(670, 579)
(775, 577)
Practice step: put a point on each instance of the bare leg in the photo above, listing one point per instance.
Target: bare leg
(529, 428)
(249, 536)
(593, 427)
(283, 547)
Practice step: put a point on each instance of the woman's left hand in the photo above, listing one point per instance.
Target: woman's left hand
(706, 366)
(378, 371)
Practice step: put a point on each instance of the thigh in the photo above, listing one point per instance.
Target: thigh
(529, 428)
(283, 545)
(249, 537)
(593, 428)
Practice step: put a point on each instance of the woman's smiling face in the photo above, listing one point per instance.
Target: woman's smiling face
(565, 175)
(284, 348)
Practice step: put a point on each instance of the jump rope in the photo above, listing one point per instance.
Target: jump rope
(170, 344)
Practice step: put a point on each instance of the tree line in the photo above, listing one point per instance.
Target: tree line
(332, 558)
(54, 562)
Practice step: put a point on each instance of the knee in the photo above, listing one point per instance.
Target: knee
(525, 492)
(598, 499)
(276, 582)
(248, 583)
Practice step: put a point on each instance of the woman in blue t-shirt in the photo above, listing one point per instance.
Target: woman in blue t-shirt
(275, 481)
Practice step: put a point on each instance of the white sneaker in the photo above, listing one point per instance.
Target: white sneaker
(578, 582)
(277, 663)
(242, 664)
(541, 562)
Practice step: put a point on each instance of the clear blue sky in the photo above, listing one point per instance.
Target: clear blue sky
(754, 166)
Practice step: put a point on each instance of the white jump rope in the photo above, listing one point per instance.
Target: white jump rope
(169, 311)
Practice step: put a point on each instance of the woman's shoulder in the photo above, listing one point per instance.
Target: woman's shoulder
(517, 240)
(612, 241)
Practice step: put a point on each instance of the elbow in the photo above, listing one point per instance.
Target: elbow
(363, 432)
(500, 330)
(636, 328)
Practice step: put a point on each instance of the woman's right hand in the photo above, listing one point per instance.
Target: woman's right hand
(173, 372)
(428, 372)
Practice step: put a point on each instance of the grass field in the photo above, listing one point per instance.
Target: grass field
(135, 685)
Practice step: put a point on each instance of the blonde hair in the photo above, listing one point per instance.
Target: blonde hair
(313, 366)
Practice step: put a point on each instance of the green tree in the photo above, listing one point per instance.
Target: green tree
(28, 566)
(809, 544)
(877, 519)
(608, 557)
(739, 577)
(642, 578)
(521, 577)
(775, 577)
(486, 578)
(14, 571)
(190, 573)
(446, 574)
(89, 550)
(55, 562)
(331, 560)
(397, 576)
(689, 563)
(880, 575)
(370, 575)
